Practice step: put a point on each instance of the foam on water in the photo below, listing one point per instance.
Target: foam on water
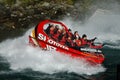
(20, 55)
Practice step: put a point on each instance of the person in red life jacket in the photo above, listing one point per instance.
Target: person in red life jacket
(62, 37)
(69, 33)
(56, 35)
(56, 29)
(51, 32)
(78, 43)
(89, 43)
(76, 35)
(69, 42)
(84, 40)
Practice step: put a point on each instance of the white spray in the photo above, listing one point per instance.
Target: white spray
(21, 56)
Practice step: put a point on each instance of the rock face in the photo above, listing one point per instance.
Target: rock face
(15, 14)
(21, 13)
(20, 16)
(4, 15)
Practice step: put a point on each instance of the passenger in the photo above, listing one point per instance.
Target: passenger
(90, 43)
(51, 32)
(62, 37)
(69, 33)
(56, 35)
(69, 42)
(77, 43)
(84, 40)
(48, 29)
(56, 29)
(76, 35)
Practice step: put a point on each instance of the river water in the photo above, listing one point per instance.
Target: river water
(20, 61)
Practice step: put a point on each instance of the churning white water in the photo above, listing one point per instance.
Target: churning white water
(20, 55)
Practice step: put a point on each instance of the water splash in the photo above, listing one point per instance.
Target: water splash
(20, 55)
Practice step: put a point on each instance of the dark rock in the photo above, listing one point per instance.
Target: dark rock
(4, 13)
(15, 17)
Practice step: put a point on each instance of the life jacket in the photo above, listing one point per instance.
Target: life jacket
(78, 42)
(51, 31)
(63, 40)
(83, 42)
(55, 36)
(69, 43)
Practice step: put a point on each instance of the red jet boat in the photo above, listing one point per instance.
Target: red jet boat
(38, 37)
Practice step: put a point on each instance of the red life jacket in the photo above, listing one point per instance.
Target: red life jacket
(78, 42)
(55, 36)
(51, 31)
(83, 42)
(70, 42)
(63, 40)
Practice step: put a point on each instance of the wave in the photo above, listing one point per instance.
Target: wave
(113, 46)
